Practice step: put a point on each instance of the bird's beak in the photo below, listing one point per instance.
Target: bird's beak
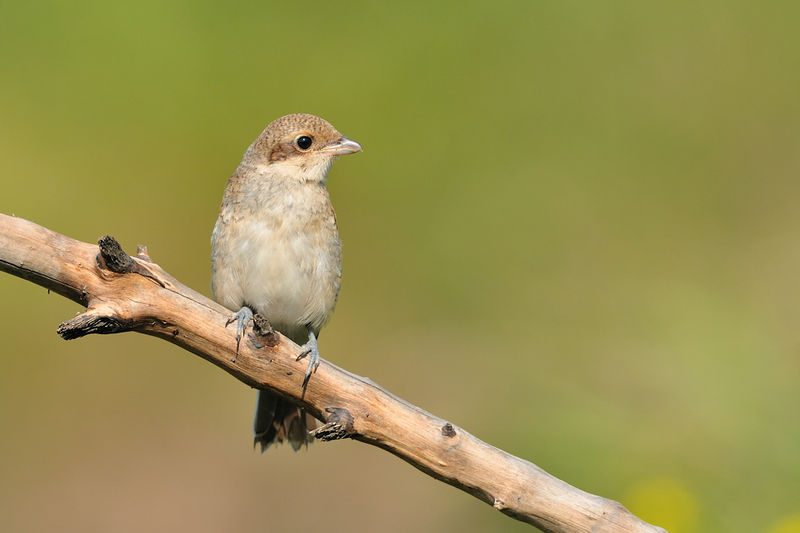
(343, 146)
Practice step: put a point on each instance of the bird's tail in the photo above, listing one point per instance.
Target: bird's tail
(277, 420)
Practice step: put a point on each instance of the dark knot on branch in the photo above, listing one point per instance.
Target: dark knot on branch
(339, 425)
(113, 256)
(99, 321)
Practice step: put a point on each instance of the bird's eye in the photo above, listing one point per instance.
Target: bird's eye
(304, 142)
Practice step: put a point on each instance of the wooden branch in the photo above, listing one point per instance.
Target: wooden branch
(124, 293)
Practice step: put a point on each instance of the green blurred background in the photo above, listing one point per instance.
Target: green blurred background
(573, 232)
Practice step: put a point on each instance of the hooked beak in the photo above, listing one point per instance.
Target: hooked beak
(342, 146)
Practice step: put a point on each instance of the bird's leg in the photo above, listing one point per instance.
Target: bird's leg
(242, 317)
(311, 350)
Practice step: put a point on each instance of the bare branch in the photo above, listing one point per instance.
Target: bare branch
(124, 293)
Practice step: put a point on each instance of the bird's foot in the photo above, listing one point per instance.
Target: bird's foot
(311, 350)
(242, 317)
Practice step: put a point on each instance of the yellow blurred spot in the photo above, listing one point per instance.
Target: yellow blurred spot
(789, 524)
(663, 502)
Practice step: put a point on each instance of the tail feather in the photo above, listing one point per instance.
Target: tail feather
(278, 420)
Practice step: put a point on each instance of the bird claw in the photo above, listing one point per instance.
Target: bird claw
(242, 317)
(311, 350)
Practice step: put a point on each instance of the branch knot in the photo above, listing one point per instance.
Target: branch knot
(339, 425)
(93, 321)
(113, 256)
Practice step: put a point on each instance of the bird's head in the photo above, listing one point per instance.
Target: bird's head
(299, 147)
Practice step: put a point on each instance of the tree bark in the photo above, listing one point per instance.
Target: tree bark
(124, 293)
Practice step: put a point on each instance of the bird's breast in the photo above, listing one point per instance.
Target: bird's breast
(285, 263)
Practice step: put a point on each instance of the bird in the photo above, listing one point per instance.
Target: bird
(275, 251)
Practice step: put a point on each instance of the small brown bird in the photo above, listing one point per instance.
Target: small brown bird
(275, 250)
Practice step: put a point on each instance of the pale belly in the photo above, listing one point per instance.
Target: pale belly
(290, 277)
